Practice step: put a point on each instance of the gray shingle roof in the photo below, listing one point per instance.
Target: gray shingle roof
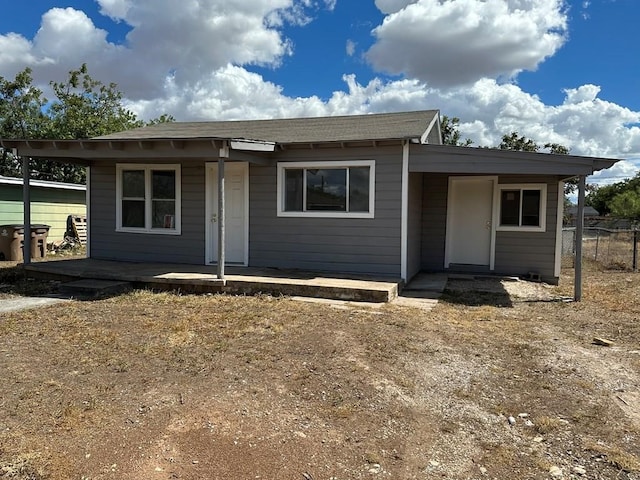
(384, 126)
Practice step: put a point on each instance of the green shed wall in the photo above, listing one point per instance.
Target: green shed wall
(49, 206)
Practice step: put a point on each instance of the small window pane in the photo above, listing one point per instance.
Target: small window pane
(133, 213)
(293, 190)
(510, 208)
(327, 189)
(531, 208)
(163, 214)
(163, 184)
(133, 183)
(359, 189)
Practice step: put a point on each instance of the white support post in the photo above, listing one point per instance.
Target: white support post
(224, 153)
(404, 215)
(26, 201)
(579, 233)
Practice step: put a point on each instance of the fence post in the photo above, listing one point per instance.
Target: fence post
(597, 243)
(635, 250)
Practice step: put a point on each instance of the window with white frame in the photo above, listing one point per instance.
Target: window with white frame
(148, 198)
(326, 189)
(522, 207)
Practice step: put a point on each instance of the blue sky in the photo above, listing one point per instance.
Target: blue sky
(557, 71)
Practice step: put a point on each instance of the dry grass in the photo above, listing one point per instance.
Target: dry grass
(160, 385)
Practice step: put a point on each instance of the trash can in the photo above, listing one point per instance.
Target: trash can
(39, 235)
(12, 241)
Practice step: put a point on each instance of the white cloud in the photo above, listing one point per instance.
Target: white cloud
(116, 9)
(189, 39)
(460, 41)
(350, 48)
(192, 59)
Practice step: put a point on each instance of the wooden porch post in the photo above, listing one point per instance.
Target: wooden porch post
(579, 233)
(224, 153)
(26, 201)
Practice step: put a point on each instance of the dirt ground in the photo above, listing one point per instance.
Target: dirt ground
(501, 380)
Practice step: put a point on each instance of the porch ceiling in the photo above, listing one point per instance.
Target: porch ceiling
(467, 160)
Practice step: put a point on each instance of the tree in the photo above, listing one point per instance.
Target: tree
(83, 108)
(450, 133)
(521, 144)
(21, 116)
(86, 108)
(626, 205)
(616, 199)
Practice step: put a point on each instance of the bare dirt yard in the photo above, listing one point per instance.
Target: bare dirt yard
(492, 383)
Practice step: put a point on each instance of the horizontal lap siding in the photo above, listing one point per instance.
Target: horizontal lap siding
(106, 243)
(414, 250)
(518, 253)
(434, 220)
(346, 245)
(48, 206)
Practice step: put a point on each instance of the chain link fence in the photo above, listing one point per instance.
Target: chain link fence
(613, 249)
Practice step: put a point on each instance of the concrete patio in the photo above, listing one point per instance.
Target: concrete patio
(203, 279)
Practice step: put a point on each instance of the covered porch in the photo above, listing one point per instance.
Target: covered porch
(204, 279)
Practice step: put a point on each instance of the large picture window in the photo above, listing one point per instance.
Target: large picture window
(326, 189)
(148, 198)
(522, 207)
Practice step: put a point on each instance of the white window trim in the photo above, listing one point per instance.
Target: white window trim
(282, 166)
(120, 167)
(542, 187)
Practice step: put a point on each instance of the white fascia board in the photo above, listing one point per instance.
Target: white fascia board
(42, 183)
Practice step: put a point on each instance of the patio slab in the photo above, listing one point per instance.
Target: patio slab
(239, 280)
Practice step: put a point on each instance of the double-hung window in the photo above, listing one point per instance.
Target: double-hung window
(523, 207)
(148, 199)
(326, 189)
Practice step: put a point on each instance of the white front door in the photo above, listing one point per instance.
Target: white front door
(236, 175)
(470, 232)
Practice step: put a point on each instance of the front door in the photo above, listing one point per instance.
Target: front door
(470, 234)
(236, 213)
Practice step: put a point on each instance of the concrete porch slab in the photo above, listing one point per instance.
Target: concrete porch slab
(239, 280)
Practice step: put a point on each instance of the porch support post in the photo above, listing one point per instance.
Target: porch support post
(577, 296)
(224, 153)
(404, 215)
(26, 201)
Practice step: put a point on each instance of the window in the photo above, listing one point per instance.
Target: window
(148, 199)
(326, 189)
(523, 207)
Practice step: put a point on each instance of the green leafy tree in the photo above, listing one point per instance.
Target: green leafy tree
(626, 205)
(21, 116)
(513, 141)
(85, 108)
(450, 133)
(615, 199)
(82, 108)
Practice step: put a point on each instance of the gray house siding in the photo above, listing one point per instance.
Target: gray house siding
(414, 247)
(348, 245)
(518, 253)
(107, 244)
(434, 220)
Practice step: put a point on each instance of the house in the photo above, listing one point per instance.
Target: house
(366, 194)
(51, 203)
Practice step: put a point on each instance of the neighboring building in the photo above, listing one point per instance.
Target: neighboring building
(369, 194)
(51, 204)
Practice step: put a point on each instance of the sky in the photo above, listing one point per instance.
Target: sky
(556, 71)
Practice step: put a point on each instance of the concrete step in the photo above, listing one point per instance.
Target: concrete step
(94, 288)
